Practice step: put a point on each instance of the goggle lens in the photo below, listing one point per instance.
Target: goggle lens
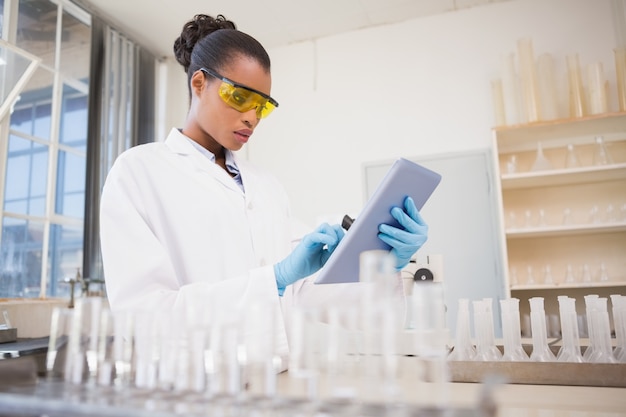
(243, 100)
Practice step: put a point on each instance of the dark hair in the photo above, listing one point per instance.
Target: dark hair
(214, 42)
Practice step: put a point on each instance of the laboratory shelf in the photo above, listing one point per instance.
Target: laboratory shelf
(556, 177)
(591, 188)
(559, 132)
(566, 230)
(574, 285)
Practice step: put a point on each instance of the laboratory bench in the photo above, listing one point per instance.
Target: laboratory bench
(25, 392)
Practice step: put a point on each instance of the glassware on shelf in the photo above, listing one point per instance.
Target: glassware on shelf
(511, 165)
(542, 218)
(512, 220)
(548, 279)
(598, 103)
(571, 159)
(497, 94)
(577, 103)
(530, 276)
(528, 219)
(611, 214)
(594, 215)
(528, 80)
(567, 216)
(620, 72)
(514, 280)
(569, 275)
(586, 274)
(547, 87)
(601, 154)
(541, 162)
(604, 274)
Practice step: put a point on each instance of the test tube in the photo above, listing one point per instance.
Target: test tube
(511, 330)
(261, 357)
(570, 350)
(83, 341)
(602, 350)
(463, 348)
(60, 329)
(486, 349)
(541, 351)
(146, 350)
(590, 299)
(618, 303)
(304, 351)
(378, 320)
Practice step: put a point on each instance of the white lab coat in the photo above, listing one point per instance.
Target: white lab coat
(178, 234)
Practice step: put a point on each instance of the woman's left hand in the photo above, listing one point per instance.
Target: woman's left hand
(405, 242)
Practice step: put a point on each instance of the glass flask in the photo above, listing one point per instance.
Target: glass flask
(541, 162)
(601, 154)
(571, 159)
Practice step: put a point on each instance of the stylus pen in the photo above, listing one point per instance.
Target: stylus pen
(347, 222)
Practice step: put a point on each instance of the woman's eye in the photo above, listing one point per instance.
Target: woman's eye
(240, 96)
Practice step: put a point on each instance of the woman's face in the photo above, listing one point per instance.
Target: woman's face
(212, 122)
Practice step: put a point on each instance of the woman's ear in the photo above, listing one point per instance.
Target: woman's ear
(197, 83)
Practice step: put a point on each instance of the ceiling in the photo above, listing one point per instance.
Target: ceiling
(156, 23)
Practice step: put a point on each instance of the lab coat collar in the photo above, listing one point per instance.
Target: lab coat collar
(178, 143)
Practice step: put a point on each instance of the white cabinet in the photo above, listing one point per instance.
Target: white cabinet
(563, 223)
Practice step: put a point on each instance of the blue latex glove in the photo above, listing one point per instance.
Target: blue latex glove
(309, 256)
(404, 242)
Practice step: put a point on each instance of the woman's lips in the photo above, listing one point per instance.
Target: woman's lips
(243, 135)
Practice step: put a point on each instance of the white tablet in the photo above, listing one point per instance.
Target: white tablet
(404, 178)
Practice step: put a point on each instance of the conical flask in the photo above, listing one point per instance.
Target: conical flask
(571, 159)
(541, 162)
(601, 154)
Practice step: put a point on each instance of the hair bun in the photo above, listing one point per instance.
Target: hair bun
(199, 27)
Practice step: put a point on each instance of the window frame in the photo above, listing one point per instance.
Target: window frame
(50, 217)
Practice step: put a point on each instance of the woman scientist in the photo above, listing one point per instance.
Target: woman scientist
(186, 222)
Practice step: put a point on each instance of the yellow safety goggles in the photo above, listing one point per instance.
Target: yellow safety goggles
(242, 98)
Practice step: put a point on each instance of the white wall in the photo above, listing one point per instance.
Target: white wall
(412, 89)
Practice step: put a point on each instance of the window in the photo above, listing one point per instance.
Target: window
(43, 150)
